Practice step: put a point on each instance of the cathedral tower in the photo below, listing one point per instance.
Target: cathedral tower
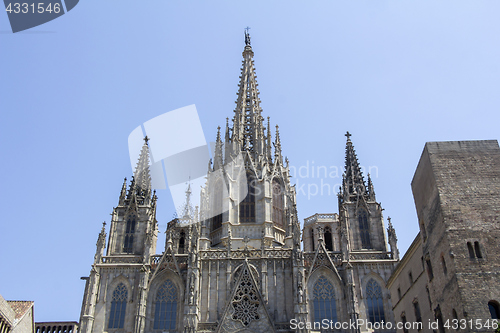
(115, 292)
(248, 195)
(347, 258)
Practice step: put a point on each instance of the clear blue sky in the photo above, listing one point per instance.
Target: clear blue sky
(396, 74)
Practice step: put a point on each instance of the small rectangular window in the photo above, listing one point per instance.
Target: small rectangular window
(403, 319)
(416, 308)
(471, 250)
(410, 276)
(477, 250)
(429, 269)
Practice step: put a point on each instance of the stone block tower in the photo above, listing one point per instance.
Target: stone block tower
(456, 190)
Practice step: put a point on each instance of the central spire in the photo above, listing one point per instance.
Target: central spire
(248, 131)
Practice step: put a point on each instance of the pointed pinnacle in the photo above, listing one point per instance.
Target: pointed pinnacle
(218, 134)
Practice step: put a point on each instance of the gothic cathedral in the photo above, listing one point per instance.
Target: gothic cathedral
(240, 262)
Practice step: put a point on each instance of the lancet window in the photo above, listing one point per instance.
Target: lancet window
(128, 243)
(375, 302)
(165, 307)
(328, 239)
(247, 206)
(312, 239)
(182, 241)
(217, 206)
(118, 307)
(278, 204)
(324, 303)
(364, 230)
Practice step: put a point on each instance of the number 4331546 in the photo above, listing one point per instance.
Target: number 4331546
(25, 8)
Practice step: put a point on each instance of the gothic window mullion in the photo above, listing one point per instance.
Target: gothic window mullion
(128, 242)
(217, 206)
(324, 302)
(278, 203)
(118, 307)
(165, 307)
(375, 301)
(364, 230)
(247, 205)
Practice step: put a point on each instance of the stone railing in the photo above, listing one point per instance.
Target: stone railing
(246, 253)
(207, 327)
(122, 259)
(336, 258)
(316, 217)
(279, 235)
(370, 255)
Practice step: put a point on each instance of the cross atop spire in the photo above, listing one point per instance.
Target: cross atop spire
(247, 36)
(146, 139)
(348, 135)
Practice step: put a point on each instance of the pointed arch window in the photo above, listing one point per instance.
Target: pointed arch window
(182, 240)
(118, 307)
(364, 230)
(128, 243)
(217, 206)
(375, 302)
(166, 307)
(278, 204)
(247, 206)
(328, 239)
(312, 239)
(324, 303)
(494, 308)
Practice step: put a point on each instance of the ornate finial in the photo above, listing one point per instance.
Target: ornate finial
(103, 224)
(348, 135)
(389, 219)
(247, 36)
(146, 139)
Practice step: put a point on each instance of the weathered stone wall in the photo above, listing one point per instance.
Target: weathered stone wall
(406, 290)
(457, 195)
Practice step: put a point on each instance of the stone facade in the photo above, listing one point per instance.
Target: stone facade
(235, 263)
(409, 290)
(456, 189)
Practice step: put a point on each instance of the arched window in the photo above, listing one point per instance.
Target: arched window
(324, 300)
(312, 238)
(166, 307)
(118, 306)
(217, 206)
(128, 244)
(182, 240)
(364, 230)
(375, 302)
(494, 309)
(278, 204)
(247, 206)
(328, 239)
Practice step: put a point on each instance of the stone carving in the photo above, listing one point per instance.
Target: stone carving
(245, 301)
